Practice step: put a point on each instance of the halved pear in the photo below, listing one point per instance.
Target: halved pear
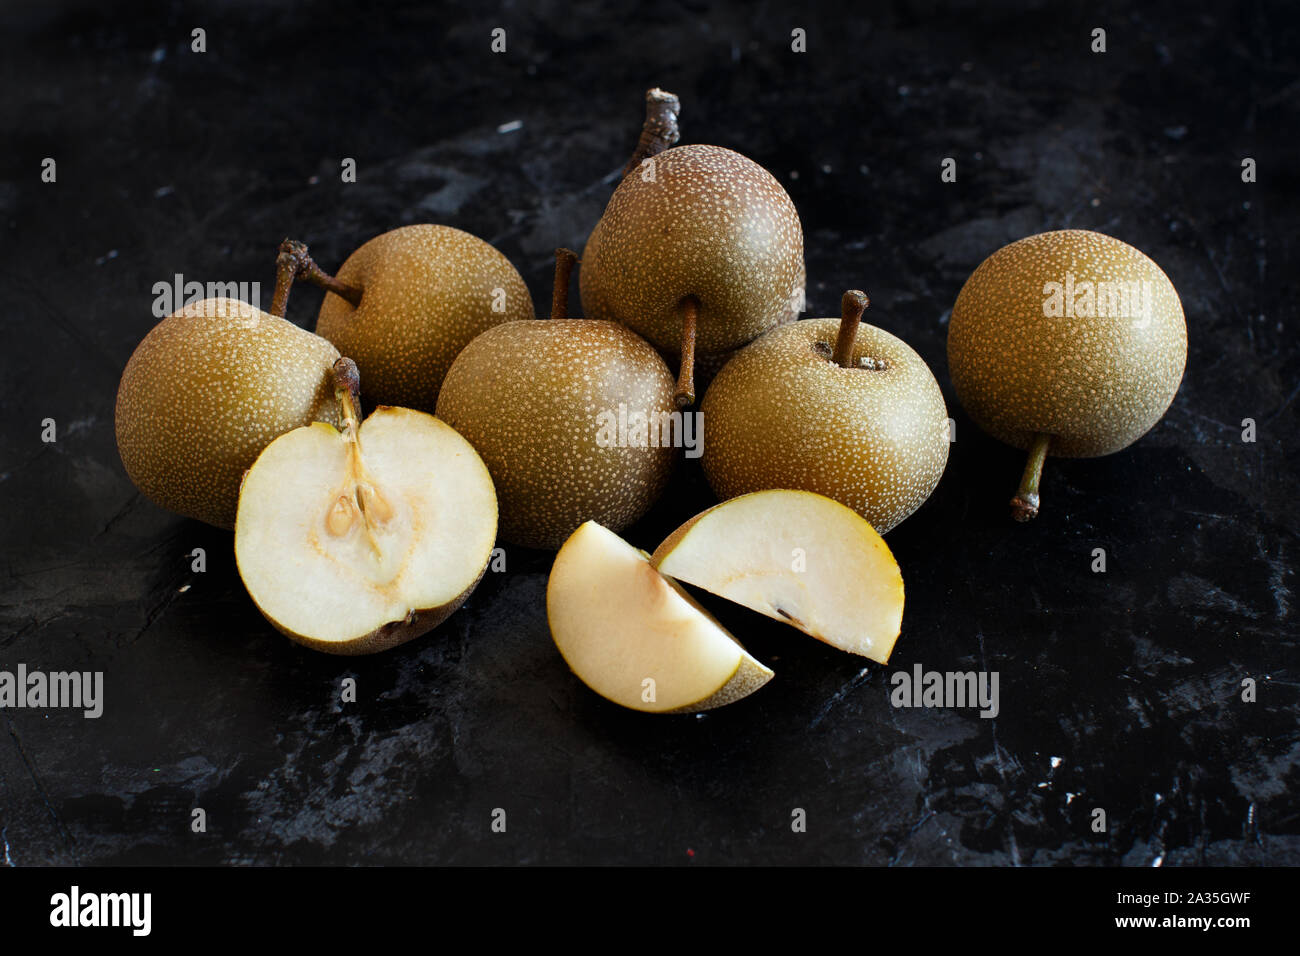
(352, 542)
(798, 557)
(635, 637)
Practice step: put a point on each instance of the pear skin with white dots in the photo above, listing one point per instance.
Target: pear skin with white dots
(710, 224)
(529, 397)
(540, 400)
(1069, 343)
(426, 292)
(870, 431)
(209, 387)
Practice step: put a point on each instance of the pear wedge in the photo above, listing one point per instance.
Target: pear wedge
(798, 557)
(636, 637)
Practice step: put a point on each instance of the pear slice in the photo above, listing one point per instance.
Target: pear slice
(353, 542)
(635, 637)
(798, 557)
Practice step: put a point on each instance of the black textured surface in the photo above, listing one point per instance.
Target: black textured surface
(1118, 690)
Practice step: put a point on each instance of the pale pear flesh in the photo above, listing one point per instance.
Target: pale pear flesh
(354, 546)
(631, 634)
(797, 557)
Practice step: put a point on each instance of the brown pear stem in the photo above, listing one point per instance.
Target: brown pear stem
(1024, 505)
(287, 265)
(659, 131)
(347, 389)
(565, 259)
(294, 253)
(852, 304)
(685, 395)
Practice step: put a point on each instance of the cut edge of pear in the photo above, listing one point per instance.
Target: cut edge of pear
(750, 673)
(878, 647)
(749, 676)
(386, 636)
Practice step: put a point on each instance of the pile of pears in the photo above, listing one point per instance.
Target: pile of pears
(354, 533)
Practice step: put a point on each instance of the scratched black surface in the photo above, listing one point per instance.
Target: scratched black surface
(1118, 690)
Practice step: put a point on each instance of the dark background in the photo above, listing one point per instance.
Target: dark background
(171, 161)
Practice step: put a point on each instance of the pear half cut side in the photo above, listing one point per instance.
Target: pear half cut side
(798, 557)
(636, 637)
(353, 542)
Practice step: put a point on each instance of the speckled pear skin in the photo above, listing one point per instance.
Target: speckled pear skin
(527, 396)
(782, 414)
(209, 388)
(1094, 383)
(427, 290)
(713, 224)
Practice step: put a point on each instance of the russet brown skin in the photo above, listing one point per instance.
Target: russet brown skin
(527, 394)
(426, 292)
(713, 225)
(783, 414)
(1096, 384)
(1080, 383)
(208, 388)
(530, 396)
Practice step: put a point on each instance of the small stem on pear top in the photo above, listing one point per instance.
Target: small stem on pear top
(288, 263)
(659, 131)
(685, 395)
(852, 305)
(1024, 505)
(347, 389)
(564, 262)
(293, 251)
